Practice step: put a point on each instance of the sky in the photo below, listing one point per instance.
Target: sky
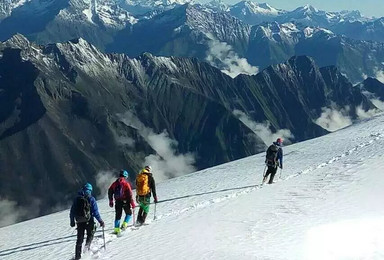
(326, 204)
(367, 7)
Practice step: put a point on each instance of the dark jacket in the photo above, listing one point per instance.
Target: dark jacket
(279, 155)
(152, 184)
(92, 201)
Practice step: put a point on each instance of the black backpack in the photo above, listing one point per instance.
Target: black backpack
(82, 210)
(271, 156)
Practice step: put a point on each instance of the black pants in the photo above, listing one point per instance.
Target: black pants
(119, 206)
(271, 170)
(81, 228)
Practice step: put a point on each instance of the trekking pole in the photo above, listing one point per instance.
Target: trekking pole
(154, 213)
(104, 239)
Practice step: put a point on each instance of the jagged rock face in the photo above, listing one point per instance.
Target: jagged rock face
(62, 20)
(60, 119)
(274, 43)
(294, 93)
(193, 31)
(183, 31)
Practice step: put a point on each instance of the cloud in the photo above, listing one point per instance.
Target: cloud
(125, 140)
(333, 119)
(222, 56)
(11, 213)
(166, 163)
(362, 114)
(104, 180)
(263, 130)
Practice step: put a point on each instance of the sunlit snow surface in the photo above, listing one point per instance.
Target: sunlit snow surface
(327, 205)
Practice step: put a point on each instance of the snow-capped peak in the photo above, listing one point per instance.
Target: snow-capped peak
(218, 5)
(255, 8)
(7, 6)
(310, 31)
(154, 3)
(309, 8)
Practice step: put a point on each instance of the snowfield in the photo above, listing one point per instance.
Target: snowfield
(328, 204)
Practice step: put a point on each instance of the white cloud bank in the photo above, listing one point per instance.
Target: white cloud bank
(362, 114)
(333, 119)
(166, 163)
(221, 55)
(263, 130)
(10, 213)
(103, 181)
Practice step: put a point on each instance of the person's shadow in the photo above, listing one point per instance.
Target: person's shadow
(46, 243)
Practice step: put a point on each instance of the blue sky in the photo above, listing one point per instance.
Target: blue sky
(366, 7)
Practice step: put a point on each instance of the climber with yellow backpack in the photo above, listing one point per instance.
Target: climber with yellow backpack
(145, 187)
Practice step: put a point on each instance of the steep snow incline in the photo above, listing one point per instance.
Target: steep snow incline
(326, 205)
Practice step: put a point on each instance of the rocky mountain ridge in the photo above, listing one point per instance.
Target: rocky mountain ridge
(69, 112)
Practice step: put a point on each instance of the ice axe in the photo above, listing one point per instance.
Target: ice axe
(133, 217)
(264, 174)
(104, 239)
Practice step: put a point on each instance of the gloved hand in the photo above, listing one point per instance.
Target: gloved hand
(102, 223)
(133, 205)
(72, 223)
(155, 198)
(281, 166)
(111, 203)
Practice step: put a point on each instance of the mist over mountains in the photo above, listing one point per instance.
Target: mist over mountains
(69, 111)
(90, 87)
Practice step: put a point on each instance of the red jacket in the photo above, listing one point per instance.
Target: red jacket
(121, 190)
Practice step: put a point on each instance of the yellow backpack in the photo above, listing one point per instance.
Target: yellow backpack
(142, 184)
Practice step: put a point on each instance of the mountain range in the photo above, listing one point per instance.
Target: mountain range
(70, 112)
(184, 86)
(248, 34)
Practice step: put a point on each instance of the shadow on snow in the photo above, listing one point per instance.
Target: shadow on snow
(32, 246)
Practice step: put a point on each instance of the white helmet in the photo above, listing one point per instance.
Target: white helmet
(148, 168)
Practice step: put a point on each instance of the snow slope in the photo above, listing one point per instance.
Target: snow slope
(328, 204)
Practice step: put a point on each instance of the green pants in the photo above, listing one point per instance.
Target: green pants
(144, 202)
